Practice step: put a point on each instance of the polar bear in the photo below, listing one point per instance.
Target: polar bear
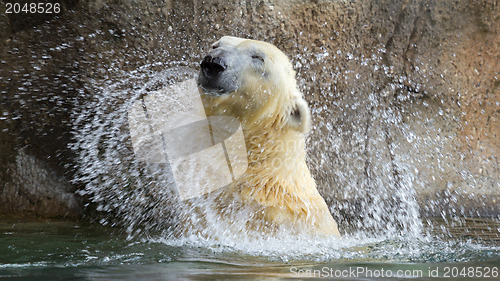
(254, 82)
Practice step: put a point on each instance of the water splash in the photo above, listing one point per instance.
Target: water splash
(138, 193)
(141, 196)
(365, 168)
(368, 178)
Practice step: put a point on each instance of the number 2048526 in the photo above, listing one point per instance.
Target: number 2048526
(32, 8)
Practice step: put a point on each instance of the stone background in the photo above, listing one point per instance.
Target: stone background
(405, 94)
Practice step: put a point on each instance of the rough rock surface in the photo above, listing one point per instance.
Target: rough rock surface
(405, 94)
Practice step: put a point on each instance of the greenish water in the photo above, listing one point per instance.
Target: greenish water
(60, 250)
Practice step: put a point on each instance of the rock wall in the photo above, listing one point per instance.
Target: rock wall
(404, 93)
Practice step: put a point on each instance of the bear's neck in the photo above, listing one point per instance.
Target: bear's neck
(277, 166)
(269, 145)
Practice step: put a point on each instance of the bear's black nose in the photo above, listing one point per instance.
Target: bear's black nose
(211, 66)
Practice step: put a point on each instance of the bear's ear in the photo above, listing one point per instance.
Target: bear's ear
(300, 116)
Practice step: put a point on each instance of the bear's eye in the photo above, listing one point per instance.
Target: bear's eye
(257, 57)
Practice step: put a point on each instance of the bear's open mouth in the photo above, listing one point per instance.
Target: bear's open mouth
(210, 79)
(219, 73)
(212, 66)
(211, 69)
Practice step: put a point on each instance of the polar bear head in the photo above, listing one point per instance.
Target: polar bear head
(254, 82)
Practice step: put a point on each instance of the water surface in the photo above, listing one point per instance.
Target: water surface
(62, 250)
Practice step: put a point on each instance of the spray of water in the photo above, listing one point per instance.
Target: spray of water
(370, 190)
(127, 191)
